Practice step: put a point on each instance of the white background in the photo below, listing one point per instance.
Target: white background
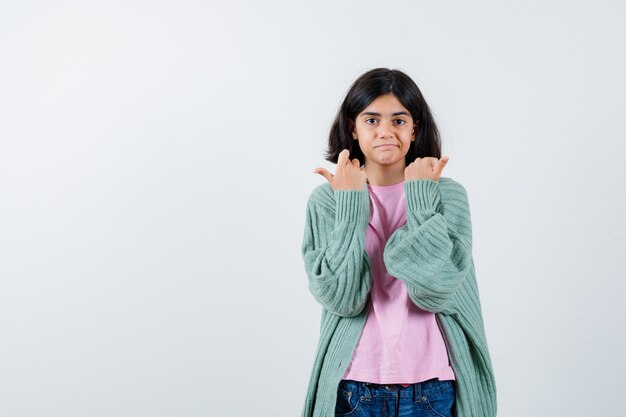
(156, 158)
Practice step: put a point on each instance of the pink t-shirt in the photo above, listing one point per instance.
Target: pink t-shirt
(400, 343)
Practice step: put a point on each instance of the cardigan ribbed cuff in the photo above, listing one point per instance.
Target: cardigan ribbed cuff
(421, 195)
(422, 199)
(352, 206)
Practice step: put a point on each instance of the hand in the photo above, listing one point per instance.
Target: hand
(349, 175)
(425, 168)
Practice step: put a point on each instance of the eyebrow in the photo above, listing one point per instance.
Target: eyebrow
(398, 113)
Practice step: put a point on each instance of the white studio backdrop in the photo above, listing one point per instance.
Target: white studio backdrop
(156, 159)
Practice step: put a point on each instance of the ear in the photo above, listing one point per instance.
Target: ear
(414, 134)
(353, 129)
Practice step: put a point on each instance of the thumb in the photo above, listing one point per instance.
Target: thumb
(440, 165)
(324, 173)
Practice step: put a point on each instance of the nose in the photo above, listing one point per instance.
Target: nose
(386, 129)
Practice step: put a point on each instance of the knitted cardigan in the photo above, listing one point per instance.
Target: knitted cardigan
(431, 253)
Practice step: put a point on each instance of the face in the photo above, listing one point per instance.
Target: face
(384, 130)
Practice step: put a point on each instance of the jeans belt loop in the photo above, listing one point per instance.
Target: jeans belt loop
(364, 390)
(417, 392)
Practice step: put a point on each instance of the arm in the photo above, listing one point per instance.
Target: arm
(432, 252)
(333, 250)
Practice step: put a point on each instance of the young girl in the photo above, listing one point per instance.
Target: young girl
(388, 253)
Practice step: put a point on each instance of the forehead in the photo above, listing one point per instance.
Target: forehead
(387, 105)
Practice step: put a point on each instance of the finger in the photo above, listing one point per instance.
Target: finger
(441, 165)
(356, 163)
(324, 173)
(343, 157)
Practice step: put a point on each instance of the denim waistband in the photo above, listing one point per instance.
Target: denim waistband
(416, 391)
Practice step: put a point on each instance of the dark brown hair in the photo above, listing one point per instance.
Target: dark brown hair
(367, 88)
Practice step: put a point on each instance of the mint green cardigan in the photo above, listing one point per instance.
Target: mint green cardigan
(431, 253)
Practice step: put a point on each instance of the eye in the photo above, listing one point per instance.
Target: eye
(401, 122)
(367, 121)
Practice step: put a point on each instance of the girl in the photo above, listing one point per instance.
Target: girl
(388, 253)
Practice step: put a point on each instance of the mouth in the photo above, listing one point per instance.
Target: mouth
(387, 145)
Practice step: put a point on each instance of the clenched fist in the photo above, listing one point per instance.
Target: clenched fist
(425, 168)
(349, 175)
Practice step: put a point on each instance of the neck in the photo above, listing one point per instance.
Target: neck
(384, 174)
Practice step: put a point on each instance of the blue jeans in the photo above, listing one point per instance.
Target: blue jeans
(432, 398)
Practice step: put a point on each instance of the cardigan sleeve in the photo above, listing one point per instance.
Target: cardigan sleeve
(432, 252)
(333, 250)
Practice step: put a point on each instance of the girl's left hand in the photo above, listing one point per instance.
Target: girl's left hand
(425, 168)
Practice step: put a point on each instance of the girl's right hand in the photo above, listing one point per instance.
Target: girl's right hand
(349, 175)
